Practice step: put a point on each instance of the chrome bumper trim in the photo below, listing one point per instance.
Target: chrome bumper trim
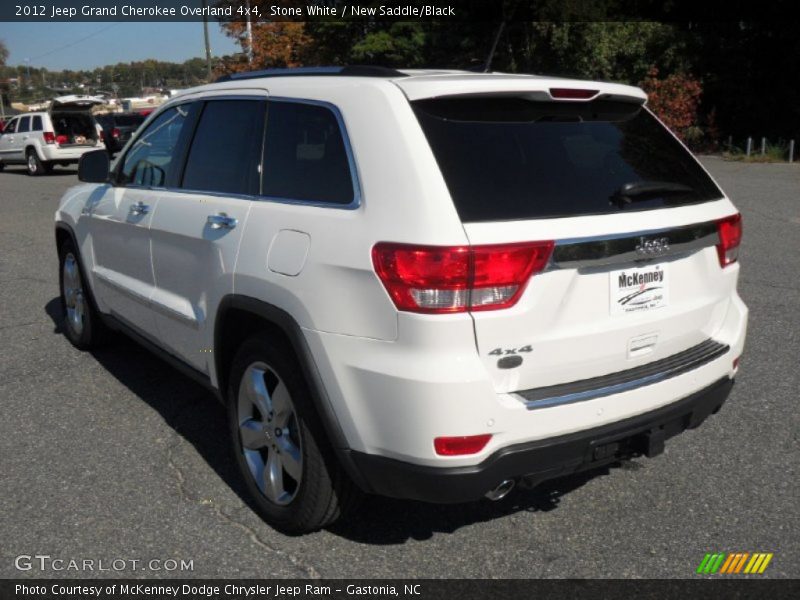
(623, 381)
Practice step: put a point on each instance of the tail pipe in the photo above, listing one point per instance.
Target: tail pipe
(501, 491)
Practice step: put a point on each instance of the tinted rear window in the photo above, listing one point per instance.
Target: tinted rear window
(305, 156)
(37, 123)
(512, 158)
(226, 149)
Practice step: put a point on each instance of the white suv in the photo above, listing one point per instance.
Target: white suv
(426, 285)
(58, 136)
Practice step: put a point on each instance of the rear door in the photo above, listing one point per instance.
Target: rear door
(122, 216)
(634, 275)
(198, 227)
(21, 138)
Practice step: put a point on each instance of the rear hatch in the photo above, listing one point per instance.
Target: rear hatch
(73, 122)
(74, 103)
(634, 275)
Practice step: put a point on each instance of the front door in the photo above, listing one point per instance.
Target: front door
(196, 230)
(121, 220)
(8, 142)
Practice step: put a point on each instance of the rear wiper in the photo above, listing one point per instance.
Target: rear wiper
(640, 190)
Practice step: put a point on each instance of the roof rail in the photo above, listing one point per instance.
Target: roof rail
(347, 71)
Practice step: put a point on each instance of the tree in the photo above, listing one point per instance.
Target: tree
(3, 54)
(281, 44)
(675, 100)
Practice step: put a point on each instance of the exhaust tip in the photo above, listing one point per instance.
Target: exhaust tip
(501, 491)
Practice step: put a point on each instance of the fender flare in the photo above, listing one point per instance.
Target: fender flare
(37, 150)
(87, 280)
(319, 395)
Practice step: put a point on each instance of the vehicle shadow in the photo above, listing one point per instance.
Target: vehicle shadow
(196, 415)
(386, 521)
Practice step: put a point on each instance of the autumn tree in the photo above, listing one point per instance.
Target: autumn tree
(281, 44)
(675, 100)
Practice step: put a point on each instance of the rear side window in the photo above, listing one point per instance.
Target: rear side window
(305, 156)
(37, 123)
(149, 162)
(24, 125)
(226, 149)
(513, 158)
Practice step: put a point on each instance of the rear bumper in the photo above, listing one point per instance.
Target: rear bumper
(542, 459)
(66, 154)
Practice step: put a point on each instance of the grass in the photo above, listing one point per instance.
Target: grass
(772, 153)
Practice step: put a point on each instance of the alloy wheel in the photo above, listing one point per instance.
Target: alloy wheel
(74, 298)
(269, 434)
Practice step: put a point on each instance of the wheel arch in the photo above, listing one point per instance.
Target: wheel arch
(36, 149)
(63, 233)
(237, 318)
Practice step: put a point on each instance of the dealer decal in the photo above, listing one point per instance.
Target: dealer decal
(638, 289)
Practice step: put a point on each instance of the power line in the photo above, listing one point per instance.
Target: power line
(73, 43)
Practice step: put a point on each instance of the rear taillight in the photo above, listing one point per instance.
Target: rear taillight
(461, 445)
(115, 133)
(730, 236)
(62, 139)
(49, 137)
(453, 279)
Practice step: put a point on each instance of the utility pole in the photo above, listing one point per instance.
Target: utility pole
(249, 34)
(208, 42)
(487, 66)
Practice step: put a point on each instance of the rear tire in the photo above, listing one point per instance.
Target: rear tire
(279, 442)
(34, 165)
(82, 324)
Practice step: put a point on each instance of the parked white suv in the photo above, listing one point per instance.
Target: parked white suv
(426, 285)
(58, 136)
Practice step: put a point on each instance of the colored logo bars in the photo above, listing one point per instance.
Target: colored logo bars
(734, 563)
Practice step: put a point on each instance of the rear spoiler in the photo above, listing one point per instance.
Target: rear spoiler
(527, 86)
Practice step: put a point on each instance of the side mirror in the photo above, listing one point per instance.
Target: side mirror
(94, 167)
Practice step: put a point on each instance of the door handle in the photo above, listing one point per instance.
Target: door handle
(140, 208)
(221, 221)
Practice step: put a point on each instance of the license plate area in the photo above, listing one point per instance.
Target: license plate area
(638, 289)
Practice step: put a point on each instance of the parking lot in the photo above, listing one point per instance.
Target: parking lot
(114, 455)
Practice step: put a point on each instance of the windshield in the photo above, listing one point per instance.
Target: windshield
(509, 158)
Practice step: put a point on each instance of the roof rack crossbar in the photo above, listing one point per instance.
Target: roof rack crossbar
(347, 71)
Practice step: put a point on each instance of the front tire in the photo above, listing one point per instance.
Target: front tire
(82, 324)
(278, 439)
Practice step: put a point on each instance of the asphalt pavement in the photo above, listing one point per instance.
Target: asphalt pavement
(113, 455)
